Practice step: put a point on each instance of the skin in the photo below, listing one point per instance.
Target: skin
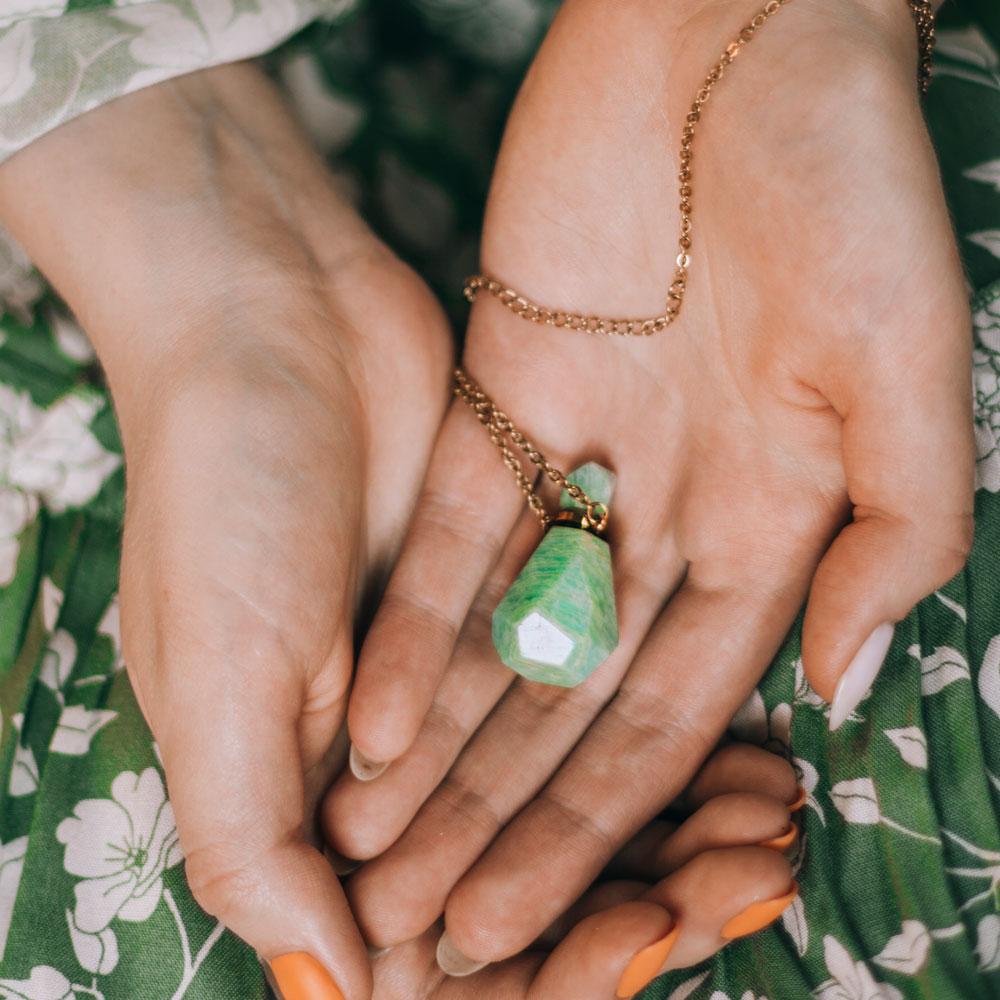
(278, 377)
(802, 432)
(276, 428)
(698, 872)
(244, 286)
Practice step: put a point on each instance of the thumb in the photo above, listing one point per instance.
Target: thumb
(909, 463)
(235, 758)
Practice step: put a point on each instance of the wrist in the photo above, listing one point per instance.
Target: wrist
(188, 234)
(156, 215)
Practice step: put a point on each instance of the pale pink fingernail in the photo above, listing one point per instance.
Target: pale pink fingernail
(363, 768)
(857, 679)
(453, 962)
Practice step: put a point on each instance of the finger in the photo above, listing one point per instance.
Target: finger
(757, 791)
(612, 953)
(733, 819)
(670, 711)
(909, 463)
(243, 819)
(467, 509)
(603, 896)
(364, 818)
(532, 730)
(721, 895)
(713, 898)
(602, 956)
(740, 767)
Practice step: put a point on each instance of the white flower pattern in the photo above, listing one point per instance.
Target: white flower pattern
(44, 983)
(47, 456)
(986, 393)
(11, 866)
(17, 50)
(160, 38)
(120, 848)
(21, 285)
(849, 979)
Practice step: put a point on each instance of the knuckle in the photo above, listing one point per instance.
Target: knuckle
(416, 618)
(948, 544)
(443, 731)
(658, 725)
(445, 515)
(219, 882)
(470, 808)
(586, 834)
(957, 545)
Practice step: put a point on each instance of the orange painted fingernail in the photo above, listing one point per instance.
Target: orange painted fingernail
(646, 965)
(785, 840)
(799, 801)
(758, 915)
(300, 977)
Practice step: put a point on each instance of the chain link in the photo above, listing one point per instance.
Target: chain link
(923, 15)
(534, 313)
(495, 420)
(520, 305)
(502, 429)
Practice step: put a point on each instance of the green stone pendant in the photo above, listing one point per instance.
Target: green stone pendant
(557, 623)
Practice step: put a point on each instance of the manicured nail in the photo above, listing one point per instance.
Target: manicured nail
(799, 801)
(646, 965)
(300, 977)
(452, 962)
(857, 679)
(758, 915)
(364, 769)
(783, 841)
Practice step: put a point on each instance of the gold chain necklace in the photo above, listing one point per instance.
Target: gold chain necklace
(923, 15)
(494, 419)
(526, 309)
(500, 428)
(557, 622)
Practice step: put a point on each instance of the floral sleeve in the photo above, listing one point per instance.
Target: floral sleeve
(60, 58)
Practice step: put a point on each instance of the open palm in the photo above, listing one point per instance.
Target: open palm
(818, 370)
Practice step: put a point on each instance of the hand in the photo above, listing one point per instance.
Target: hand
(663, 902)
(818, 374)
(279, 377)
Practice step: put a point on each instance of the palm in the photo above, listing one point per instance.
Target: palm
(741, 436)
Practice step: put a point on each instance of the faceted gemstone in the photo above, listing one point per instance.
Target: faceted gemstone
(596, 481)
(557, 623)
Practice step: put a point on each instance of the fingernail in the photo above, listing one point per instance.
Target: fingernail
(364, 769)
(784, 841)
(299, 976)
(758, 915)
(857, 679)
(452, 962)
(799, 801)
(646, 965)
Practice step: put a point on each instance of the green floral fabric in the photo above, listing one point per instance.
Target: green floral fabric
(900, 857)
(59, 58)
